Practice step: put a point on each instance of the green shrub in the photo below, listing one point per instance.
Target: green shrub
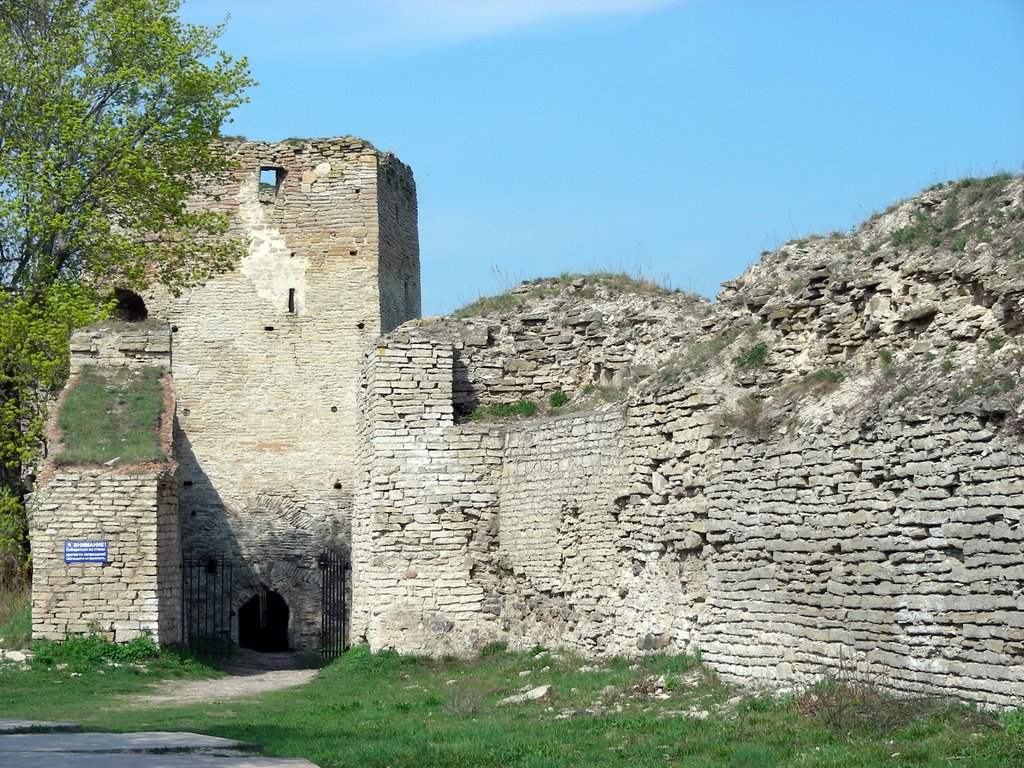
(494, 648)
(820, 381)
(558, 399)
(521, 408)
(828, 376)
(88, 651)
(15, 617)
(754, 357)
(747, 416)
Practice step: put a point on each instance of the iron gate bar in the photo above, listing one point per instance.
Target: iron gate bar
(207, 588)
(335, 570)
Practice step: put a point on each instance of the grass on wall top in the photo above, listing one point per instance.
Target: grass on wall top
(112, 417)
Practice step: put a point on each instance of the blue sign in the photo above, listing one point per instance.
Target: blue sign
(85, 552)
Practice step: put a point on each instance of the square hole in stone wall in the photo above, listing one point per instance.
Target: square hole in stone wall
(270, 183)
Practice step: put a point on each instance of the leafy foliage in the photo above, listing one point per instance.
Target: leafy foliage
(754, 357)
(15, 617)
(87, 651)
(109, 111)
(557, 399)
(33, 367)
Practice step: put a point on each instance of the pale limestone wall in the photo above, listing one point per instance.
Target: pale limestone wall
(398, 274)
(132, 345)
(139, 589)
(898, 548)
(558, 534)
(266, 359)
(601, 558)
(567, 336)
(894, 549)
(427, 494)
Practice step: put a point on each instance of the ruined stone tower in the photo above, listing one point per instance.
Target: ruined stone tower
(265, 365)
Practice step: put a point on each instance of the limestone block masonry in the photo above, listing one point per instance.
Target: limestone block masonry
(428, 493)
(130, 511)
(266, 359)
(826, 474)
(645, 526)
(138, 589)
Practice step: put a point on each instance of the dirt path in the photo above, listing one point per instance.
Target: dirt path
(249, 674)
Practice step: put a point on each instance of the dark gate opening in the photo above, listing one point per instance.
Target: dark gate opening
(263, 623)
(335, 583)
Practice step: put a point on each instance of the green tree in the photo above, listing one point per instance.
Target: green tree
(109, 115)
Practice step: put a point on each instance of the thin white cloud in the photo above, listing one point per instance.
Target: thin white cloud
(359, 27)
(447, 21)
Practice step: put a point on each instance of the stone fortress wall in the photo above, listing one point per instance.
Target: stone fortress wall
(133, 510)
(823, 469)
(266, 359)
(827, 474)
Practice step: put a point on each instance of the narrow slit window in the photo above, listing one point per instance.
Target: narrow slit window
(291, 301)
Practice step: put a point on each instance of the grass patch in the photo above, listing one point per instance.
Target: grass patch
(390, 710)
(969, 202)
(819, 382)
(15, 617)
(112, 416)
(522, 408)
(584, 286)
(747, 416)
(694, 360)
(754, 357)
(491, 305)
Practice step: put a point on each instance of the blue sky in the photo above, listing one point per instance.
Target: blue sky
(676, 139)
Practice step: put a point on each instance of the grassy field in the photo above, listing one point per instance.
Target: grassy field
(387, 710)
(112, 416)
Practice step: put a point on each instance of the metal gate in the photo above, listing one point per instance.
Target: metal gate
(206, 591)
(335, 583)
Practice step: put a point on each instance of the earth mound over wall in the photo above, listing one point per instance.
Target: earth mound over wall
(822, 469)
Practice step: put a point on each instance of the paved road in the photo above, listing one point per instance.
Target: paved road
(33, 744)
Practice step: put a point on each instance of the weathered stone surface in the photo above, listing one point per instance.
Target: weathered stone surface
(266, 360)
(870, 515)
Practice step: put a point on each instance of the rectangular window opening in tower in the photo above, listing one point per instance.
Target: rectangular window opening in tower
(271, 179)
(291, 301)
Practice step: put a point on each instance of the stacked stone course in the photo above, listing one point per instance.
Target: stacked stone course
(131, 345)
(134, 510)
(621, 531)
(427, 492)
(870, 521)
(138, 591)
(266, 359)
(565, 336)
